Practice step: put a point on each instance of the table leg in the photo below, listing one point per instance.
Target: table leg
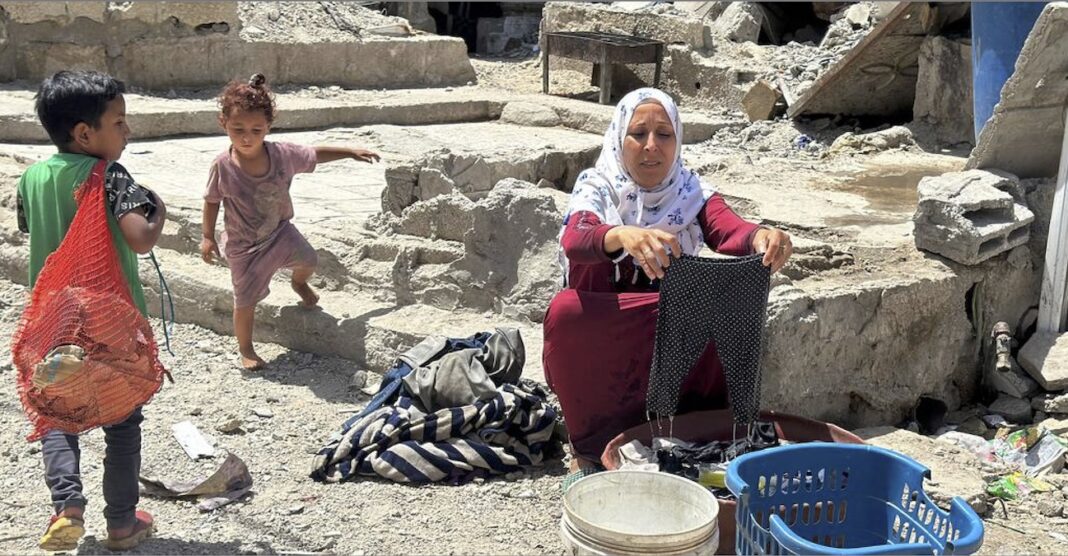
(545, 71)
(659, 59)
(606, 80)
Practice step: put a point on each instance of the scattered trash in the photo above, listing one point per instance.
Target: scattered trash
(1047, 455)
(228, 483)
(1016, 486)
(994, 421)
(190, 439)
(802, 141)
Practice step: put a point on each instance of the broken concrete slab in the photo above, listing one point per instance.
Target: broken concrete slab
(944, 89)
(530, 114)
(954, 470)
(1026, 131)
(878, 76)
(740, 22)
(473, 169)
(128, 39)
(155, 116)
(891, 138)
(1013, 409)
(1045, 357)
(578, 16)
(759, 102)
(971, 216)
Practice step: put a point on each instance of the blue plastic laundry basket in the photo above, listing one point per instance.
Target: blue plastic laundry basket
(827, 498)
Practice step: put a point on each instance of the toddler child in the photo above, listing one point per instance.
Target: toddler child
(251, 180)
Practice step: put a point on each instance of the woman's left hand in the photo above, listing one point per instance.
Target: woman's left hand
(775, 245)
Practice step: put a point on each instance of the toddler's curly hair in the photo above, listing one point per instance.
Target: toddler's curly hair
(251, 96)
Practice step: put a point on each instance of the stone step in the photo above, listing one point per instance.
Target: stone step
(152, 116)
(356, 325)
(353, 325)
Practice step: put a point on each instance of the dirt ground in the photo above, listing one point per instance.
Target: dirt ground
(309, 398)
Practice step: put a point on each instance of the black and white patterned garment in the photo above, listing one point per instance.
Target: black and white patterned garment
(124, 196)
(702, 299)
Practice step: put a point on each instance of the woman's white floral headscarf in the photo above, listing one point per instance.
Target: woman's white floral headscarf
(608, 190)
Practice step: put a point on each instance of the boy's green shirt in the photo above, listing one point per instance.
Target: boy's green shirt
(47, 192)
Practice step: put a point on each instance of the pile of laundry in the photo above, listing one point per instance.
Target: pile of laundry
(449, 410)
(704, 462)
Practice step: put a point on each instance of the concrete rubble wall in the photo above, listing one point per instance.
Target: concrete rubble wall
(944, 89)
(475, 175)
(687, 73)
(1025, 133)
(128, 39)
(858, 351)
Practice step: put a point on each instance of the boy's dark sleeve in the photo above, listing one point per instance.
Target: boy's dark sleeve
(21, 212)
(124, 195)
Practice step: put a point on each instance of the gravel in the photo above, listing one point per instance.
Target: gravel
(298, 406)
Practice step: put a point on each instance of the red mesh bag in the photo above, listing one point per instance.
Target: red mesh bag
(85, 355)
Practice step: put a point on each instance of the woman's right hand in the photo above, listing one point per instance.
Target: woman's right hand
(208, 248)
(649, 247)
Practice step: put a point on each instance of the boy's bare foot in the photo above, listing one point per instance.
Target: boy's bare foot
(252, 362)
(308, 297)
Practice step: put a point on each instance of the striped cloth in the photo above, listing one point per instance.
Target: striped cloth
(400, 443)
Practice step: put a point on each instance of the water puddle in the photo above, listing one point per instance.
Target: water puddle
(889, 190)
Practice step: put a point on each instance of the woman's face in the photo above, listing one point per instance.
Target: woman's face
(649, 146)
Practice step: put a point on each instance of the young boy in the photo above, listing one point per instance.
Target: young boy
(84, 114)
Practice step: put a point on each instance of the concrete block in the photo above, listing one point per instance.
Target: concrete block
(529, 113)
(1015, 410)
(944, 89)
(1025, 133)
(60, 12)
(39, 60)
(740, 22)
(970, 216)
(1045, 357)
(759, 102)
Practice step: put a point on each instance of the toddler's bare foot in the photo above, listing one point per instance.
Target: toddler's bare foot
(251, 362)
(308, 297)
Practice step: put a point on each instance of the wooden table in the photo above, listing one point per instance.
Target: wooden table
(604, 49)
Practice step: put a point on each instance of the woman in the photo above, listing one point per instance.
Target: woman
(627, 218)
